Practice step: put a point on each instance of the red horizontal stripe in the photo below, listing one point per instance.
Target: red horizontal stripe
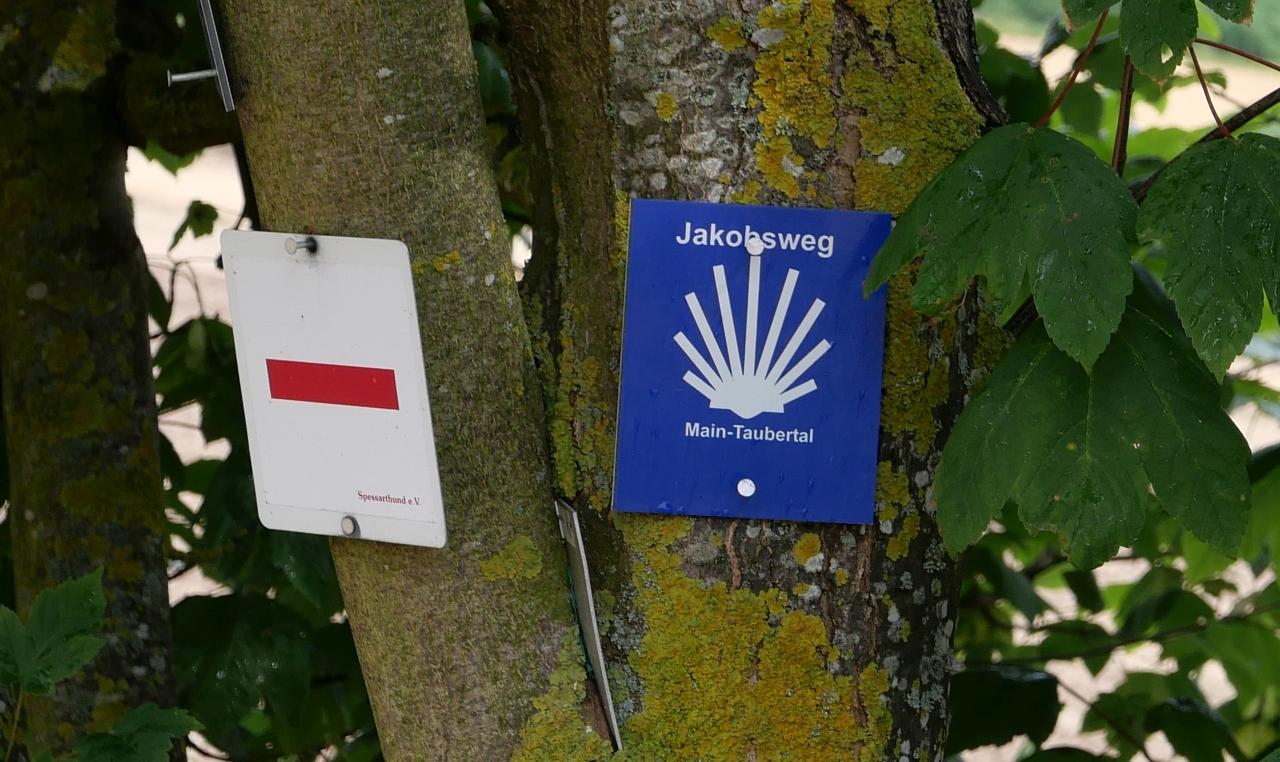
(333, 384)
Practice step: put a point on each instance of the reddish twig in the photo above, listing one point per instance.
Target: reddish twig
(1204, 85)
(1120, 154)
(1239, 52)
(1075, 73)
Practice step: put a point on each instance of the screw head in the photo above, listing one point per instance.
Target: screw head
(755, 246)
(746, 488)
(349, 525)
(306, 243)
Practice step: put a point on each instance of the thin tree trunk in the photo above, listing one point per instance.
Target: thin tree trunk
(363, 118)
(79, 403)
(729, 639)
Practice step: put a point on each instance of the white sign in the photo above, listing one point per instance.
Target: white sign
(335, 393)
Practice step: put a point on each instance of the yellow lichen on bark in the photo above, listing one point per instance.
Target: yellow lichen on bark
(556, 731)
(519, 559)
(793, 86)
(727, 33)
(733, 675)
(916, 119)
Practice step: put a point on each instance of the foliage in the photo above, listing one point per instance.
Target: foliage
(1216, 211)
(1148, 413)
(270, 667)
(1183, 600)
(1032, 212)
(199, 220)
(56, 642)
(1047, 229)
(1156, 465)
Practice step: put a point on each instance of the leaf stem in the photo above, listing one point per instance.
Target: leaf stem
(1120, 154)
(1204, 85)
(13, 731)
(1075, 73)
(1239, 52)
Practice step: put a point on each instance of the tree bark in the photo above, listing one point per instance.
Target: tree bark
(746, 639)
(362, 117)
(79, 403)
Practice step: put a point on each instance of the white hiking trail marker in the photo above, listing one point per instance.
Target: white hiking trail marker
(744, 385)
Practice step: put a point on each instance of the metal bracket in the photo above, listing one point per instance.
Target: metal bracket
(219, 70)
(571, 530)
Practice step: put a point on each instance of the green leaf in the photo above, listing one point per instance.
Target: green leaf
(1076, 451)
(1249, 653)
(1203, 562)
(1007, 583)
(1031, 211)
(158, 305)
(305, 561)
(1082, 109)
(1081, 12)
(1017, 85)
(72, 608)
(145, 734)
(1075, 636)
(1217, 210)
(1149, 28)
(172, 162)
(1239, 11)
(1263, 530)
(15, 655)
(994, 704)
(1194, 730)
(495, 83)
(62, 661)
(60, 631)
(238, 651)
(1085, 587)
(1026, 437)
(199, 220)
(150, 718)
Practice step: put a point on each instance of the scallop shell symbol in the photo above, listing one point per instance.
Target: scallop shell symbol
(747, 383)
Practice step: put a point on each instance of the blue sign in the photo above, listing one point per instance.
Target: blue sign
(750, 363)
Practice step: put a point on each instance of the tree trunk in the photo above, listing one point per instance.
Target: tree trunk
(733, 640)
(79, 404)
(363, 118)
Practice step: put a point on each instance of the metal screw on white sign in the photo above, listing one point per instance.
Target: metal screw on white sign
(306, 243)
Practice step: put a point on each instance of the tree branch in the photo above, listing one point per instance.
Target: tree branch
(1256, 109)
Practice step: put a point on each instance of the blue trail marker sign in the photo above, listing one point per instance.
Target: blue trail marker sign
(751, 363)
